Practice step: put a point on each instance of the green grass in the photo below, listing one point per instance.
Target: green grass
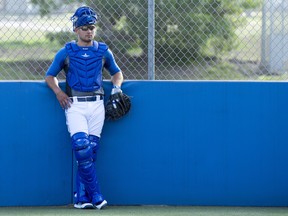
(23, 42)
(145, 211)
(24, 38)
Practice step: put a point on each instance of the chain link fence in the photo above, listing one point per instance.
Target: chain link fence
(153, 39)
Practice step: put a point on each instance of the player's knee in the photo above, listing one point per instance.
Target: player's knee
(82, 148)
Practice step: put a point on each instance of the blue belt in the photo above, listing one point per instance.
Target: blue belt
(87, 98)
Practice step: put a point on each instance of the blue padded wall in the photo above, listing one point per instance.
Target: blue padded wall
(199, 143)
(35, 158)
(183, 143)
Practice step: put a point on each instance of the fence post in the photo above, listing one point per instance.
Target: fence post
(263, 63)
(151, 40)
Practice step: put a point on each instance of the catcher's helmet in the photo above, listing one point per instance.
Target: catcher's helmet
(84, 16)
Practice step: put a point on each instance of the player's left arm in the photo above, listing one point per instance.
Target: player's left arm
(113, 68)
(117, 79)
(119, 103)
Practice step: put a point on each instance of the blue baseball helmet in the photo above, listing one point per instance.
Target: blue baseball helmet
(84, 16)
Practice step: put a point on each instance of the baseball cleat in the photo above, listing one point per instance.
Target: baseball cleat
(80, 205)
(100, 205)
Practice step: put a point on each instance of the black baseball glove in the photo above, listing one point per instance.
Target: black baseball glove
(117, 106)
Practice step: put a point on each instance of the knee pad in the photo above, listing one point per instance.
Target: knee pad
(82, 148)
(94, 143)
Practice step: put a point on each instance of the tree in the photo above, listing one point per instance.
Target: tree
(184, 28)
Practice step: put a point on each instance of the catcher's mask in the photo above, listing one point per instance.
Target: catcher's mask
(84, 16)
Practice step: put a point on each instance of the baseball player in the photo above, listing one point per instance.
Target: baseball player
(83, 61)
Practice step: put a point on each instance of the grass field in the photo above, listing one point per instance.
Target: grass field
(26, 53)
(146, 211)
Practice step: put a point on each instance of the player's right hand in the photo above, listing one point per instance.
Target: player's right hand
(64, 100)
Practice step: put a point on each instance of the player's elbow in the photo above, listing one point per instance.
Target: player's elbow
(118, 76)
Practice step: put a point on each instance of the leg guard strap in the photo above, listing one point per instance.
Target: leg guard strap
(94, 142)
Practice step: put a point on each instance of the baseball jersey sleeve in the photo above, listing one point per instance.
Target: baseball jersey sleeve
(58, 63)
(110, 63)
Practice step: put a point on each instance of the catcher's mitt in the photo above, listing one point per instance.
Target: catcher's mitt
(117, 106)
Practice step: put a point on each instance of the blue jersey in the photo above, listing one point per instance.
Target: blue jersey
(83, 65)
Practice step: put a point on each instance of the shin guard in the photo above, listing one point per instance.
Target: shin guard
(86, 167)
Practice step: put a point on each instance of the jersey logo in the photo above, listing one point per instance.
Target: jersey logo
(85, 55)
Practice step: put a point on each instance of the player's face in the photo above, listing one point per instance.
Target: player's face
(86, 34)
